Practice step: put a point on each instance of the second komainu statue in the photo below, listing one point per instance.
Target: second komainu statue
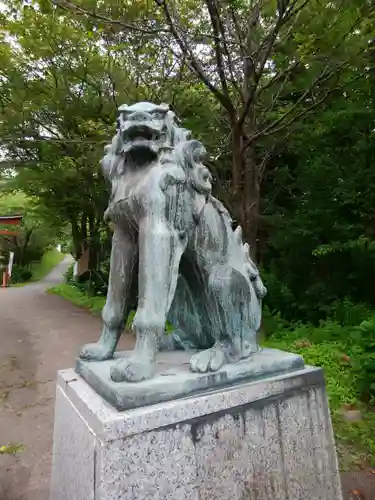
(175, 256)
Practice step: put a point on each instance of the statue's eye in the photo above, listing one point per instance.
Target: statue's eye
(157, 115)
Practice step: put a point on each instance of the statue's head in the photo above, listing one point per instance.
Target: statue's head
(144, 131)
(145, 128)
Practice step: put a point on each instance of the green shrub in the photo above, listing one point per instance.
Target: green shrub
(348, 313)
(21, 274)
(93, 283)
(279, 296)
(363, 342)
(330, 356)
(355, 343)
(37, 270)
(272, 322)
(327, 331)
(68, 275)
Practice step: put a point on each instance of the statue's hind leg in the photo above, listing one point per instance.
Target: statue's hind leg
(189, 313)
(160, 251)
(230, 298)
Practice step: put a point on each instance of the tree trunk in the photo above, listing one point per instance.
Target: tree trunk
(23, 248)
(246, 188)
(237, 158)
(93, 245)
(76, 237)
(251, 203)
(84, 238)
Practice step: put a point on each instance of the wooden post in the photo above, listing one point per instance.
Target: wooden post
(5, 279)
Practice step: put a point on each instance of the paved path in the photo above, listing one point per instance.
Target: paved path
(40, 333)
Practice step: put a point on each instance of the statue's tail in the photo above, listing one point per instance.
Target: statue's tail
(251, 268)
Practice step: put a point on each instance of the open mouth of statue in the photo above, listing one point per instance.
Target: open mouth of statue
(141, 133)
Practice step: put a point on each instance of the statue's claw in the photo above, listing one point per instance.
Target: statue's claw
(96, 352)
(210, 360)
(133, 369)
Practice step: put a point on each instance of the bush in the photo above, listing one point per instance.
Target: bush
(356, 344)
(347, 313)
(272, 322)
(21, 274)
(37, 270)
(363, 341)
(344, 346)
(330, 356)
(68, 275)
(93, 282)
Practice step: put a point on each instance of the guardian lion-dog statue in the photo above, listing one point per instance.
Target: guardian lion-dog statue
(175, 256)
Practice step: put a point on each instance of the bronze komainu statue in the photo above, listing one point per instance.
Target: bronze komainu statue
(174, 254)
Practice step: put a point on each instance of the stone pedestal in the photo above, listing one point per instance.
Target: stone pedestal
(269, 439)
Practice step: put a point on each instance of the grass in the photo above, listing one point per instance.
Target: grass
(40, 269)
(79, 298)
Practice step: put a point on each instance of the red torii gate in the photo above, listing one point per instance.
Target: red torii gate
(9, 220)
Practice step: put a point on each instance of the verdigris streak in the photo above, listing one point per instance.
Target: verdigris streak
(174, 254)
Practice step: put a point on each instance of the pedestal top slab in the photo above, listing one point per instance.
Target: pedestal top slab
(173, 378)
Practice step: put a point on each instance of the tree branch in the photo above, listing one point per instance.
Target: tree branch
(70, 6)
(277, 77)
(38, 139)
(221, 36)
(215, 23)
(266, 47)
(274, 129)
(187, 52)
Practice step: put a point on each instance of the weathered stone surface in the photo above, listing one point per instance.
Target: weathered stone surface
(73, 453)
(269, 439)
(174, 379)
(158, 466)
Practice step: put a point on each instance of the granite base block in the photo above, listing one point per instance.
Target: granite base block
(269, 439)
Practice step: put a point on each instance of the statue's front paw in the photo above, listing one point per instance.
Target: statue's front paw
(132, 369)
(95, 352)
(210, 360)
